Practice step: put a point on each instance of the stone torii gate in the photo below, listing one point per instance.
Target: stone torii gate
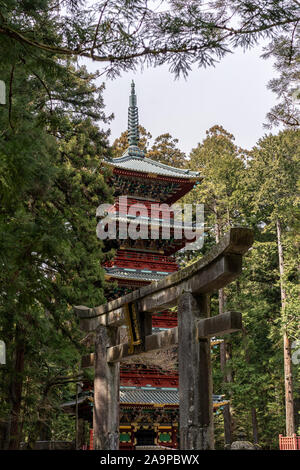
(190, 289)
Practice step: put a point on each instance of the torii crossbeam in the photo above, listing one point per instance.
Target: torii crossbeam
(190, 289)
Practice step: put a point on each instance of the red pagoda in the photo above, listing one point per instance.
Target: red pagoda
(148, 395)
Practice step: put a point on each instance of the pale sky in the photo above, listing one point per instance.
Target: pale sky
(234, 94)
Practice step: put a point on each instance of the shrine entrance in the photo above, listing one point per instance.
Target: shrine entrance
(145, 437)
(190, 289)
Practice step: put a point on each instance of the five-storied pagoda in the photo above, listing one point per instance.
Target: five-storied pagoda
(148, 395)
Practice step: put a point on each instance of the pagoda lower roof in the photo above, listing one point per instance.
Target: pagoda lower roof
(157, 396)
(135, 274)
(155, 222)
(68, 405)
(142, 396)
(141, 164)
(149, 395)
(163, 247)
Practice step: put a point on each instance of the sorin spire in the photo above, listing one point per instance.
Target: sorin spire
(133, 118)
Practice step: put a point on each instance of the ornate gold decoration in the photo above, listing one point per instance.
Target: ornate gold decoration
(133, 326)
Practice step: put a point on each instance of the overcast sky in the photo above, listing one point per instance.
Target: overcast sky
(234, 94)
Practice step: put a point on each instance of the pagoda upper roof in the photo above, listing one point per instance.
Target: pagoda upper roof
(134, 161)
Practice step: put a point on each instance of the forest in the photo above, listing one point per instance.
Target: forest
(52, 146)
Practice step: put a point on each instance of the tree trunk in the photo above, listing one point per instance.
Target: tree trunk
(253, 409)
(288, 378)
(226, 410)
(254, 425)
(5, 385)
(16, 391)
(45, 431)
(4, 433)
(288, 381)
(223, 353)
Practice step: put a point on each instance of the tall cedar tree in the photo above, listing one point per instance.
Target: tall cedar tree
(51, 151)
(261, 187)
(267, 292)
(273, 176)
(220, 163)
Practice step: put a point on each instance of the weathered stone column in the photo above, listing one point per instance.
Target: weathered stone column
(195, 379)
(106, 392)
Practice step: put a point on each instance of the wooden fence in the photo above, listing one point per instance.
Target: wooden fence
(289, 442)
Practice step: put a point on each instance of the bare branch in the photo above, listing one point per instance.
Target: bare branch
(97, 29)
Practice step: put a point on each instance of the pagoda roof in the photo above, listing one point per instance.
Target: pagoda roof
(157, 396)
(142, 396)
(153, 222)
(135, 274)
(149, 395)
(86, 399)
(138, 163)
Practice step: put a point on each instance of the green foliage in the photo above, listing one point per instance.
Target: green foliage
(272, 176)
(285, 50)
(255, 189)
(220, 163)
(51, 151)
(121, 143)
(52, 181)
(122, 34)
(164, 149)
